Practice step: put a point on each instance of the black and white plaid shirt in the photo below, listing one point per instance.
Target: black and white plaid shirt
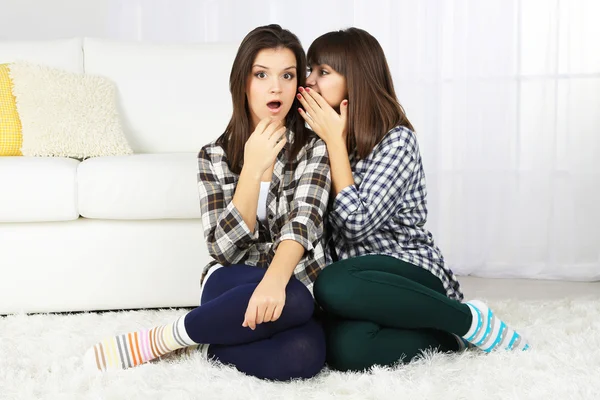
(296, 205)
(385, 211)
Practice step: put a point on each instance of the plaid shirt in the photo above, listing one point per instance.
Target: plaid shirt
(385, 211)
(296, 204)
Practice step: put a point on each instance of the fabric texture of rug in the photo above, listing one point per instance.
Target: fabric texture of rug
(40, 358)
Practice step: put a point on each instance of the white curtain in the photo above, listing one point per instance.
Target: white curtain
(504, 95)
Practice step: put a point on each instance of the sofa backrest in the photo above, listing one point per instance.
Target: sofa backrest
(65, 54)
(172, 98)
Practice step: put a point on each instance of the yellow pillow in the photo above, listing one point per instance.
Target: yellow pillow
(11, 137)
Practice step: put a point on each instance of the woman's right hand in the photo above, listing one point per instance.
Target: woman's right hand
(263, 145)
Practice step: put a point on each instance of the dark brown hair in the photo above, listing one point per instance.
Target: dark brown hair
(373, 108)
(240, 126)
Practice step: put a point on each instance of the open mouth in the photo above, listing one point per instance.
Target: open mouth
(274, 106)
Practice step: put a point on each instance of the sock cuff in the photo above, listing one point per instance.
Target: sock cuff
(182, 332)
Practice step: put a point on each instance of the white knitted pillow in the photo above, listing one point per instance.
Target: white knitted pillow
(66, 114)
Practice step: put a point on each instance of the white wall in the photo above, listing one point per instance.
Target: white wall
(49, 19)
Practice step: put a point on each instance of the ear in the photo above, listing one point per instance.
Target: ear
(344, 109)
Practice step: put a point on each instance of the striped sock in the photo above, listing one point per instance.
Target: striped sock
(135, 348)
(489, 333)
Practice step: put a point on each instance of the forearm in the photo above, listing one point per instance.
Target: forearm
(341, 171)
(245, 198)
(287, 256)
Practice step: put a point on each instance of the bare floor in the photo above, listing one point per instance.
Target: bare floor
(526, 289)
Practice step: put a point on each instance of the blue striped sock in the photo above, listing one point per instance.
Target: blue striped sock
(489, 333)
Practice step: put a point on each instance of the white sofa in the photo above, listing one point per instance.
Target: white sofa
(116, 232)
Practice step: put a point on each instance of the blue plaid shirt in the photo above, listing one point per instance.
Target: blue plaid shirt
(385, 211)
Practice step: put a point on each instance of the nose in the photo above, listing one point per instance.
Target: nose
(311, 80)
(275, 86)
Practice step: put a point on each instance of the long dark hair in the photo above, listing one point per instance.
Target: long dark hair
(373, 108)
(240, 126)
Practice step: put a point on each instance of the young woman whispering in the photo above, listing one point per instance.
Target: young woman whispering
(388, 294)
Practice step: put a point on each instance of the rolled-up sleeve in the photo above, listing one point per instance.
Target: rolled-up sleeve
(305, 222)
(359, 210)
(227, 236)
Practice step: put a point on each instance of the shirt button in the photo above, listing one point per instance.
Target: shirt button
(271, 216)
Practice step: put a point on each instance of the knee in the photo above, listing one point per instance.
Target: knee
(332, 286)
(299, 301)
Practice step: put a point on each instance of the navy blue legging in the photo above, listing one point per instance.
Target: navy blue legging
(289, 348)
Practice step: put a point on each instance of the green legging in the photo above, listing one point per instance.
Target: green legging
(380, 310)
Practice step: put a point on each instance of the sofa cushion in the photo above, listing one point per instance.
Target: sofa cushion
(11, 137)
(140, 186)
(38, 189)
(67, 114)
(173, 98)
(66, 54)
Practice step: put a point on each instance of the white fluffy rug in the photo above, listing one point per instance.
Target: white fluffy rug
(40, 357)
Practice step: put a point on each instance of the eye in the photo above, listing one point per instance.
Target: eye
(324, 72)
(260, 75)
(288, 76)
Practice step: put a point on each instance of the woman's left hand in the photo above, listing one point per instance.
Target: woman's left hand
(322, 118)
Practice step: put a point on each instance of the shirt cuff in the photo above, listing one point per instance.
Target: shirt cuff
(297, 232)
(346, 203)
(236, 230)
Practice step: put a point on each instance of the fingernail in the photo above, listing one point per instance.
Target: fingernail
(299, 96)
(301, 89)
(299, 109)
(345, 102)
(308, 89)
